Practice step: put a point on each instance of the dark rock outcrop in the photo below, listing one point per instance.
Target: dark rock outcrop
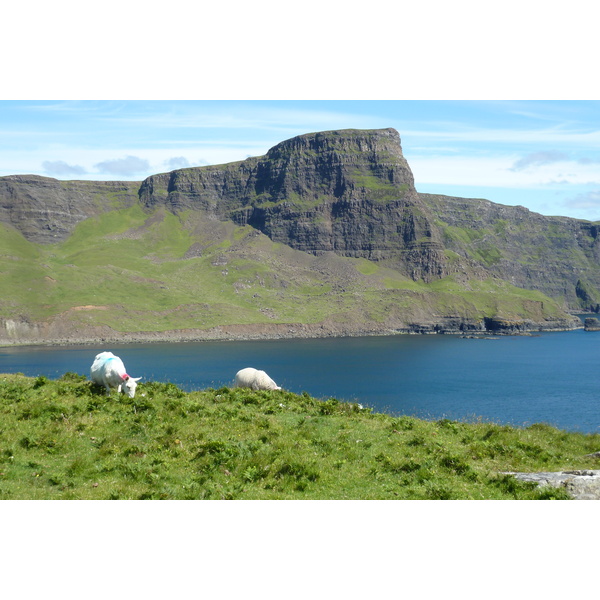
(350, 192)
(591, 324)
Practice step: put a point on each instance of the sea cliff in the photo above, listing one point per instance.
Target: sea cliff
(324, 235)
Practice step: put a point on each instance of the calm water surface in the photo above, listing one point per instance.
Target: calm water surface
(518, 380)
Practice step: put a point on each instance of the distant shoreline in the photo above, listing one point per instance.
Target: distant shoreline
(273, 331)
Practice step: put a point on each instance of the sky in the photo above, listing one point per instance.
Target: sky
(541, 154)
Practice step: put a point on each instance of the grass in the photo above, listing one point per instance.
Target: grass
(491, 297)
(380, 189)
(65, 439)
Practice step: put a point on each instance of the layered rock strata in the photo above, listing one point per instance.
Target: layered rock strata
(349, 192)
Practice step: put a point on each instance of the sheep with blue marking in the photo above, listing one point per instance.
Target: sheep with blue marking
(108, 370)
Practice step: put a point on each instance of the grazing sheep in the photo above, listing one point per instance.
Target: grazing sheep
(108, 370)
(254, 379)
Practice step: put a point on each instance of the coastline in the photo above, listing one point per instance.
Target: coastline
(38, 336)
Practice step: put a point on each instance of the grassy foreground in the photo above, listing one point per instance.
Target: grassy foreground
(66, 439)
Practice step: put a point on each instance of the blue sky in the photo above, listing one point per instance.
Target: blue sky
(544, 155)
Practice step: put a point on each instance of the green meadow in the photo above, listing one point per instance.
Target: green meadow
(66, 439)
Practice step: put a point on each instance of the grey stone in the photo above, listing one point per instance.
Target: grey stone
(581, 484)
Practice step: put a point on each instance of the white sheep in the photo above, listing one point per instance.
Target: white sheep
(254, 379)
(108, 370)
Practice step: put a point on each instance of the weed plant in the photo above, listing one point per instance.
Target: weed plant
(66, 439)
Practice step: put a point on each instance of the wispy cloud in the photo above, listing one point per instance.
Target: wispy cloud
(544, 157)
(235, 116)
(60, 167)
(498, 171)
(238, 116)
(509, 136)
(588, 200)
(177, 162)
(123, 166)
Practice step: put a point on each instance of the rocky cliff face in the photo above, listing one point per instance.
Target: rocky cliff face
(558, 256)
(346, 192)
(46, 210)
(349, 192)
(216, 191)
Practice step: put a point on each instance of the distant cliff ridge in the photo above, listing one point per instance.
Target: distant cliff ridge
(326, 232)
(46, 210)
(558, 256)
(349, 192)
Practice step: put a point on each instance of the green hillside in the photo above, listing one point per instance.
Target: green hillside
(66, 439)
(135, 271)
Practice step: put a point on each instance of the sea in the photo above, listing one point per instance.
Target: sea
(550, 377)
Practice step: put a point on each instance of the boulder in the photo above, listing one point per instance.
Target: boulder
(581, 484)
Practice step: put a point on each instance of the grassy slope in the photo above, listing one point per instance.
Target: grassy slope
(66, 439)
(139, 272)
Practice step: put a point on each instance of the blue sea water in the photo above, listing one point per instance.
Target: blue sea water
(518, 380)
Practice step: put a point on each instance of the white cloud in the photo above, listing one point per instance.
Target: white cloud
(498, 171)
(130, 165)
(177, 162)
(544, 157)
(588, 161)
(60, 167)
(458, 133)
(97, 167)
(588, 200)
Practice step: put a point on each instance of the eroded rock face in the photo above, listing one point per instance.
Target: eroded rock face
(46, 210)
(558, 256)
(350, 192)
(591, 324)
(219, 191)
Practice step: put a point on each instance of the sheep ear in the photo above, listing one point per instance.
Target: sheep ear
(135, 378)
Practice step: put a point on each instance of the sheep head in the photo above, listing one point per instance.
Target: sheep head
(129, 385)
